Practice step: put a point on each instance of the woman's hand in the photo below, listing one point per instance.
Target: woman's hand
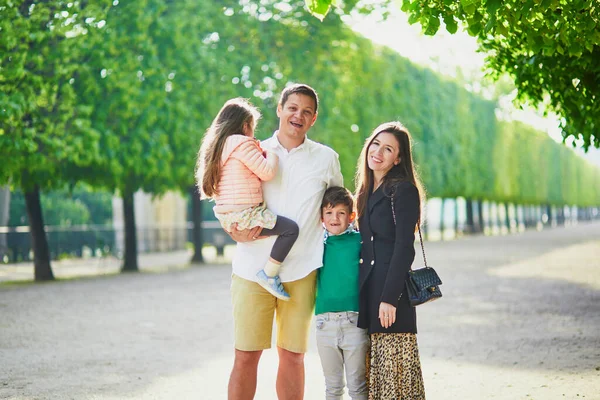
(247, 235)
(387, 314)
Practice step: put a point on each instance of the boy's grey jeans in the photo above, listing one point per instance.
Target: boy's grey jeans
(342, 345)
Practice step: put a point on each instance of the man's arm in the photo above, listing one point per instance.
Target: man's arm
(247, 235)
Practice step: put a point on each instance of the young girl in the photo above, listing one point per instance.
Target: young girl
(231, 166)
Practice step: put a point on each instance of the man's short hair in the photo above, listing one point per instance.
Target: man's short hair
(299, 88)
(337, 195)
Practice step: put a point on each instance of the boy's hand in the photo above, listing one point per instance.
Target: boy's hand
(247, 235)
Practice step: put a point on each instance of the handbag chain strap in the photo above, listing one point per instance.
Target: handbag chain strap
(418, 227)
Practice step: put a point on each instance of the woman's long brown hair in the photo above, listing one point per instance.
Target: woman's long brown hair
(403, 172)
(231, 120)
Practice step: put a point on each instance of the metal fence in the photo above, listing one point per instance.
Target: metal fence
(98, 240)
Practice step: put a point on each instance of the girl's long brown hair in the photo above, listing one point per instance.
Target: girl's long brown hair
(403, 172)
(231, 120)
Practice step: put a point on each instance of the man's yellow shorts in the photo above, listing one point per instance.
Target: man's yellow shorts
(254, 307)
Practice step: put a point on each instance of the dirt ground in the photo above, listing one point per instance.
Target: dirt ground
(520, 319)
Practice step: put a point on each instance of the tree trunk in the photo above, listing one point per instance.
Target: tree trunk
(130, 261)
(456, 217)
(442, 215)
(39, 241)
(197, 230)
(4, 214)
(549, 212)
(560, 214)
(470, 228)
(481, 222)
(507, 217)
(490, 218)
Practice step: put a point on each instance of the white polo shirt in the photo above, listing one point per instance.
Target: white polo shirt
(295, 192)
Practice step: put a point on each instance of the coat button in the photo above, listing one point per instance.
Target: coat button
(371, 238)
(360, 261)
(373, 262)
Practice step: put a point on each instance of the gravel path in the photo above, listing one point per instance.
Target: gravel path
(520, 319)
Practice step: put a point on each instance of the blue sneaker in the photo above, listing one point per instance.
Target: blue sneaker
(272, 285)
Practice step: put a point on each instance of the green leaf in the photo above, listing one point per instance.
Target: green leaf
(560, 49)
(492, 6)
(575, 49)
(501, 29)
(451, 24)
(413, 18)
(537, 44)
(469, 9)
(477, 16)
(318, 8)
(469, 6)
(589, 46)
(433, 24)
(406, 5)
(547, 51)
(474, 28)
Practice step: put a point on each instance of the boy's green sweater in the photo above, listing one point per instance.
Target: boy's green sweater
(337, 280)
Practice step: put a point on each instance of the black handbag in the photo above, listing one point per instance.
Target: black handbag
(422, 285)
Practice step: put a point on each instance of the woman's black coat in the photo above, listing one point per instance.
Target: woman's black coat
(386, 256)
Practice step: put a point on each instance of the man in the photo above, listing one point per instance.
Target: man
(306, 170)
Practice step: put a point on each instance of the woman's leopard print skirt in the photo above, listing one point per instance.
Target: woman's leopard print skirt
(394, 368)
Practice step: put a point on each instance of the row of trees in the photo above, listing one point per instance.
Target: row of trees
(118, 95)
(550, 48)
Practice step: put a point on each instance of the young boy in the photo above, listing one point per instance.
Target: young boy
(341, 344)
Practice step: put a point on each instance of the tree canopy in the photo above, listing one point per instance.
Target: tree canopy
(45, 131)
(550, 48)
(117, 95)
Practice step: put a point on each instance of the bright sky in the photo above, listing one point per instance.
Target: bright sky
(443, 52)
(446, 53)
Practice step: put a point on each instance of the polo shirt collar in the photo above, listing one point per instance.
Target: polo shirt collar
(351, 228)
(275, 143)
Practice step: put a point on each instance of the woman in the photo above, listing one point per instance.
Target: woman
(388, 205)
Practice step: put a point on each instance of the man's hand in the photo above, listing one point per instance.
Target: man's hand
(247, 235)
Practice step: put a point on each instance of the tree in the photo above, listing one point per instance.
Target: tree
(125, 83)
(4, 210)
(45, 132)
(162, 65)
(550, 48)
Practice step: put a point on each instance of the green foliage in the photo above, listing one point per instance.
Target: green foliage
(550, 48)
(460, 146)
(66, 207)
(122, 66)
(318, 8)
(136, 86)
(97, 202)
(44, 131)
